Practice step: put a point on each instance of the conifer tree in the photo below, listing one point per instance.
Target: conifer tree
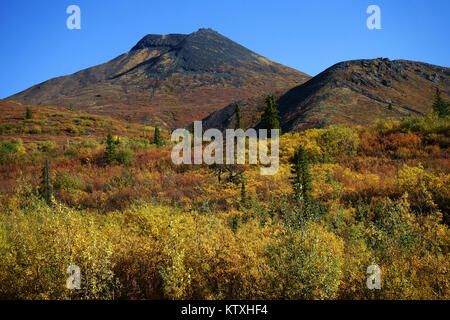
(301, 179)
(157, 139)
(440, 106)
(270, 119)
(28, 114)
(235, 223)
(110, 147)
(243, 191)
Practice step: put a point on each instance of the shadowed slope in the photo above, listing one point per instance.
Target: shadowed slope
(355, 92)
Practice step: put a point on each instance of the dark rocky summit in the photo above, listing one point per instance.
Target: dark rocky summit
(159, 41)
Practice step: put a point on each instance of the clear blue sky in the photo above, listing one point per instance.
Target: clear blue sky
(306, 35)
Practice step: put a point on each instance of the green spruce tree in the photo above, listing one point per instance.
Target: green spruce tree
(235, 223)
(110, 147)
(301, 179)
(440, 106)
(29, 114)
(270, 119)
(157, 139)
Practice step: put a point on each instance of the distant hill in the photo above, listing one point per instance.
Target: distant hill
(356, 92)
(167, 80)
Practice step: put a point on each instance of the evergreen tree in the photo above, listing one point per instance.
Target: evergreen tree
(45, 189)
(440, 106)
(243, 191)
(110, 147)
(28, 114)
(301, 179)
(157, 139)
(270, 119)
(239, 123)
(390, 107)
(235, 223)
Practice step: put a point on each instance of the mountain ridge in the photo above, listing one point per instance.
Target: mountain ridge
(354, 91)
(166, 80)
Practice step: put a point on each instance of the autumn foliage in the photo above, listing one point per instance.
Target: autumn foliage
(140, 227)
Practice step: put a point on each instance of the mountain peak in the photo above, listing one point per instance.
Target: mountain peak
(168, 80)
(159, 41)
(170, 41)
(206, 30)
(204, 50)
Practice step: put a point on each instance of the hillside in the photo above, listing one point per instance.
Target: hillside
(167, 80)
(351, 92)
(59, 124)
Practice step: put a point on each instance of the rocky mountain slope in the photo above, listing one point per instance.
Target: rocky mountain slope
(167, 80)
(355, 92)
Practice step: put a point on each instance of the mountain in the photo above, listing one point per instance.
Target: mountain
(167, 80)
(357, 92)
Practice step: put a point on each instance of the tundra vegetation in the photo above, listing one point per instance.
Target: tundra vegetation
(104, 195)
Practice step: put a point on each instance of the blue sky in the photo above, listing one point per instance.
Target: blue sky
(306, 35)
